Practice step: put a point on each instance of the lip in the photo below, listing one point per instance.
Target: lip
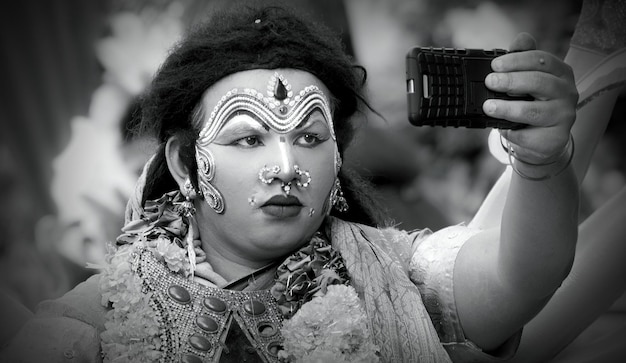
(281, 206)
(283, 201)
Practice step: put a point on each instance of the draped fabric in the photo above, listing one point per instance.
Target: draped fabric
(378, 263)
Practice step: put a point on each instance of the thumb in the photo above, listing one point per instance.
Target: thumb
(523, 41)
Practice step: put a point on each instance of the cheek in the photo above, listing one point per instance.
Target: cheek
(322, 177)
(235, 175)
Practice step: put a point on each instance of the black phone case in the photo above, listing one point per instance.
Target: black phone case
(446, 87)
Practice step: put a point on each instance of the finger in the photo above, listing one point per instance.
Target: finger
(200, 255)
(535, 113)
(523, 41)
(205, 271)
(203, 282)
(540, 85)
(535, 60)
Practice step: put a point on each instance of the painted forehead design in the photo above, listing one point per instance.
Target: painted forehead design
(278, 107)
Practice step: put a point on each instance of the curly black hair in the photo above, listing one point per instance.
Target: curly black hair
(239, 38)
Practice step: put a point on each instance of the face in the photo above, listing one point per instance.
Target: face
(267, 158)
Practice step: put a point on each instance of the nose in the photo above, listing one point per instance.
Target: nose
(287, 171)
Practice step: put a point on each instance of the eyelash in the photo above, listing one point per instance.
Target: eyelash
(240, 142)
(317, 139)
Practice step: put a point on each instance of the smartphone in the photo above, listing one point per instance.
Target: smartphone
(446, 87)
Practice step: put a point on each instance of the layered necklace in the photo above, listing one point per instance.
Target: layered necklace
(160, 314)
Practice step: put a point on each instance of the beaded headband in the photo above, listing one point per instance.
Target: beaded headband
(279, 109)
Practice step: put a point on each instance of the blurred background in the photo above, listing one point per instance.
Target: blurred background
(71, 71)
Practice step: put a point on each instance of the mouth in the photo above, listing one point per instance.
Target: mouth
(281, 206)
(283, 201)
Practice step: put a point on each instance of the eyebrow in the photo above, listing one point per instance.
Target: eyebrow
(237, 124)
(306, 121)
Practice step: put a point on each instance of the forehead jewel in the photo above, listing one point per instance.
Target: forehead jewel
(279, 89)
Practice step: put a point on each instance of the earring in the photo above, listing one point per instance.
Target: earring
(337, 199)
(186, 207)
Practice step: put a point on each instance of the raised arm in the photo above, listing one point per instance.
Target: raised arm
(504, 276)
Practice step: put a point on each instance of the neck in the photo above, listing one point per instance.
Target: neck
(228, 265)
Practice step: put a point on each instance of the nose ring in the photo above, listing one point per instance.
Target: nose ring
(303, 179)
(302, 174)
(265, 170)
(286, 187)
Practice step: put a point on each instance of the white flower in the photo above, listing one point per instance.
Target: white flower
(330, 328)
(138, 45)
(91, 181)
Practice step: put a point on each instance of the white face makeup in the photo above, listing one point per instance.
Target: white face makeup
(266, 161)
(278, 109)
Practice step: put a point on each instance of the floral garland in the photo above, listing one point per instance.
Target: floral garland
(331, 328)
(307, 274)
(324, 319)
(131, 332)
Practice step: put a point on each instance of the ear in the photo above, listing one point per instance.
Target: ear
(174, 163)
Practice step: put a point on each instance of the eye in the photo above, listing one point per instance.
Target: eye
(309, 139)
(248, 141)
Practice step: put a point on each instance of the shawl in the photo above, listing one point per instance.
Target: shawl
(378, 262)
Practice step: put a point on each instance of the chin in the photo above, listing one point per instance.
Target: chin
(281, 242)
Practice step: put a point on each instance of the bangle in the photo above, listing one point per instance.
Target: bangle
(513, 160)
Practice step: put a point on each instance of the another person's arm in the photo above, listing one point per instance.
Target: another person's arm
(595, 281)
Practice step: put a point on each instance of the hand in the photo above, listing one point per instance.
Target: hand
(527, 71)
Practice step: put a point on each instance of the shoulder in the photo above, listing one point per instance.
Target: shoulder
(433, 255)
(62, 330)
(83, 303)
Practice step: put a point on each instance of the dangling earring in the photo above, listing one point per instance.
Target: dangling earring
(186, 207)
(337, 199)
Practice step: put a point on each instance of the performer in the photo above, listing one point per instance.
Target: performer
(247, 239)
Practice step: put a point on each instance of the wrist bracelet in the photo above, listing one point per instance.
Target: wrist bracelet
(513, 160)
